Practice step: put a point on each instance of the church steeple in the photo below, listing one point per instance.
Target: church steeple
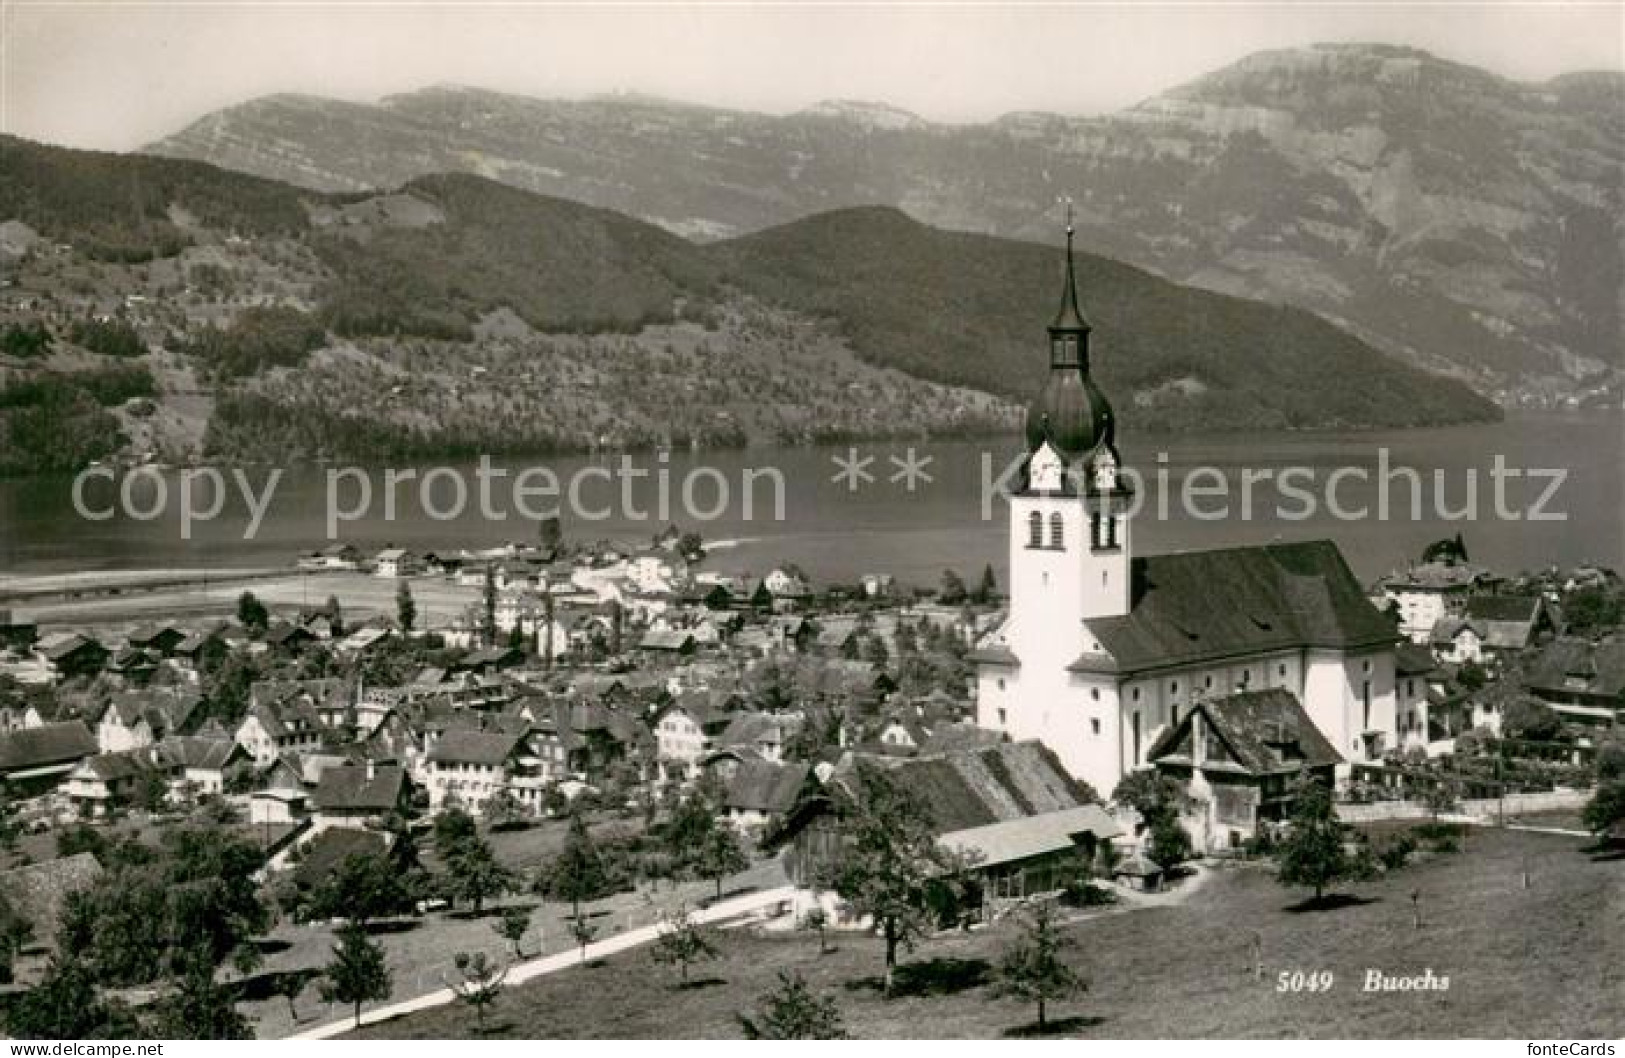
(1069, 333)
(1071, 413)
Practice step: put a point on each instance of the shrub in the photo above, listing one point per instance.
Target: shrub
(1396, 852)
(1080, 892)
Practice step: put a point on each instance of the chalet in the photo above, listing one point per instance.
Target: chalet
(161, 639)
(765, 734)
(359, 794)
(272, 729)
(100, 785)
(1239, 758)
(15, 633)
(35, 759)
(199, 650)
(396, 562)
(364, 639)
(1024, 823)
(762, 793)
(289, 637)
(333, 557)
(133, 666)
(685, 730)
(205, 763)
(676, 642)
(133, 719)
(1581, 680)
(69, 654)
(488, 660)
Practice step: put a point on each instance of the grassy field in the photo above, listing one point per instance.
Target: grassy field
(1539, 962)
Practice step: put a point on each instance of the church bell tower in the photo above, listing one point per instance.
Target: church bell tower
(1069, 529)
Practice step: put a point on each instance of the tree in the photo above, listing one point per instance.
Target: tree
(335, 616)
(251, 613)
(952, 591)
(988, 589)
(512, 927)
(720, 854)
(406, 608)
(362, 888)
(578, 873)
(1312, 853)
(488, 607)
(200, 1009)
(504, 809)
(683, 941)
(289, 986)
(357, 973)
(1526, 717)
(1606, 809)
(478, 983)
(65, 1005)
(817, 920)
(476, 874)
(792, 1011)
(1170, 845)
(889, 862)
(550, 534)
(15, 931)
(452, 827)
(1034, 968)
(582, 932)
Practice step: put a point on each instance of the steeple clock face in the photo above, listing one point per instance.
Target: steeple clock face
(1045, 472)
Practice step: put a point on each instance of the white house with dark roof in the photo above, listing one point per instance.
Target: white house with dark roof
(1103, 650)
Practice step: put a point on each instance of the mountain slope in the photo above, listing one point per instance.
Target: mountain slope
(970, 309)
(1465, 222)
(457, 315)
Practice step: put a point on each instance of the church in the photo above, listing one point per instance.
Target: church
(1104, 650)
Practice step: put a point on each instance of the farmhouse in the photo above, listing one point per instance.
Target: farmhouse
(1238, 759)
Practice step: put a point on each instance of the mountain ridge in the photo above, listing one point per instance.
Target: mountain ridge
(1460, 220)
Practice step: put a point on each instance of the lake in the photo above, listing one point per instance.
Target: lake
(836, 532)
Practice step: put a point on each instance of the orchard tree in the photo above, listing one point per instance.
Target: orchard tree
(720, 854)
(578, 873)
(478, 983)
(357, 973)
(200, 1009)
(792, 1011)
(475, 874)
(1606, 809)
(683, 942)
(512, 927)
(1035, 968)
(362, 888)
(1312, 853)
(890, 862)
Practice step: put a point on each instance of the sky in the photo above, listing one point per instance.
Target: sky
(117, 75)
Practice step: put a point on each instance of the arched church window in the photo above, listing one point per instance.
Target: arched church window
(1035, 530)
(1111, 530)
(1057, 536)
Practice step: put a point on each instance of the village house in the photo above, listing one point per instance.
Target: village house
(133, 719)
(359, 794)
(1581, 680)
(1238, 760)
(685, 730)
(1493, 627)
(468, 768)
(35, 759)
(1024, 825)
(1416, 687)
(761, 794)
(205, 763)
(1426, 593)
(396, 562)
(101, 785)
(70, 654)
(274, 727)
